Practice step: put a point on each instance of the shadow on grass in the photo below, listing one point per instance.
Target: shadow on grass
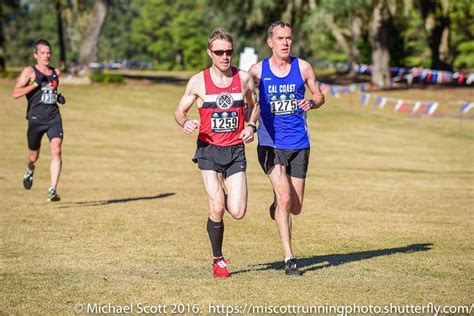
(320, 262)
(114, 201)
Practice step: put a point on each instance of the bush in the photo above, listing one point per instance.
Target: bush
(101, 77)
(9, 74)
(465, 59)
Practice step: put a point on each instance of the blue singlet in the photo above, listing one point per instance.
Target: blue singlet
(282, 124)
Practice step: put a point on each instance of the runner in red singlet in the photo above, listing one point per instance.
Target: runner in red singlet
(224, 96)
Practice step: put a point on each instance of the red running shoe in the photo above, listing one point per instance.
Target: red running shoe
(220, 268)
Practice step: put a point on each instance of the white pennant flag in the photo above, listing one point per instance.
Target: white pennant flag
(398, 105)
(416, 107)
(440, 77)
(470, 79)
(433, 108)
(467, 107)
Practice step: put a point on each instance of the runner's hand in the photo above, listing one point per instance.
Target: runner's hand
(247, 135)
(306, 105)
(190, 125)
(61, 99)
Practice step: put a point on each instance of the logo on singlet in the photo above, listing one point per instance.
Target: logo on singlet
(224, 100)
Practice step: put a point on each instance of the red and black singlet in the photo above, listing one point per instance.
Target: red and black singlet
(223, 112)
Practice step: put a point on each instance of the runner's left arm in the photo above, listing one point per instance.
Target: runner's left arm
(251, 100)
(317, 97)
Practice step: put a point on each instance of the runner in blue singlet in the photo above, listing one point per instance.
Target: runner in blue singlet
(283, 138)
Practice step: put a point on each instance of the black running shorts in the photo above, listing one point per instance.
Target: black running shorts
(227, 160)
(37, 130)
(295, 161)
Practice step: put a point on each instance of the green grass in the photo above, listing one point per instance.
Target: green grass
(387, 215)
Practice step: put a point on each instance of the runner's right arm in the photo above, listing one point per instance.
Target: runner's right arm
(25, 83)
(187, 100)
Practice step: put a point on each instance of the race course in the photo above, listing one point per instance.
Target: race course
(387, 219)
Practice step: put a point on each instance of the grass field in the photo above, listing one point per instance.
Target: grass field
(388, 215)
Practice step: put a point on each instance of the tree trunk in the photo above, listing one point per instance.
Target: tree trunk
(380, 52)
(90, 46)
(2, 41)
(437, 28)
(62, 47)
(438, 41)
(337, 33)
(356, 33)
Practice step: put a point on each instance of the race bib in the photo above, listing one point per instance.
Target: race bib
(49, 94)
(224, 122)
(283, 104)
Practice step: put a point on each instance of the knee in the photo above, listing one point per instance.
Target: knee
(240, 214)
(56, 152)
(296, 210)
(284, 201)
(217, 209)
(296, 205)
(34, 156)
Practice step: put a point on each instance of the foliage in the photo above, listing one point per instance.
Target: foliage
(24, 25)
(116, 36)
(173, 34)
(462, 32)
(9, 74)
(417, 52)
(103, 77)
(465, 58)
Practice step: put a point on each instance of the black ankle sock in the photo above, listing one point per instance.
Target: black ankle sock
(216, 236)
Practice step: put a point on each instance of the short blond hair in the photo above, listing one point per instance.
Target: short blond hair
(219, 34)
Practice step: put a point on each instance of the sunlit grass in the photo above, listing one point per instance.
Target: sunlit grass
(387, 215)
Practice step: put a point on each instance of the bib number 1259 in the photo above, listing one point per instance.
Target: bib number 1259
(223, 122)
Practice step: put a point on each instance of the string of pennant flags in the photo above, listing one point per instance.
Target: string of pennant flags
(422, 74)
(380, 102)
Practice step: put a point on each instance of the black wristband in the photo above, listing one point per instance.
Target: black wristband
(312, 104)
(253, 126)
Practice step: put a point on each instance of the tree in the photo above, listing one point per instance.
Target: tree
(24, 23)
(436, 17)
(90, 46)
(116, 34)
(380, 52)
(62, 47)
(461, 36)
(2, 41)
(250, 31)
(173, 33)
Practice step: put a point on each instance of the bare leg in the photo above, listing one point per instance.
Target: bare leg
(33, 156)
(56, 161)
(282, 187)
(236, 186)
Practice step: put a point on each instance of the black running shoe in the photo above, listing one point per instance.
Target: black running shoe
(291, 268)
(28, 180)
(53, 195)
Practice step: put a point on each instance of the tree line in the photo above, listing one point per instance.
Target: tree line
(172, 34)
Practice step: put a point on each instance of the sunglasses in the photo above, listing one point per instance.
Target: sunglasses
(220, 53)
